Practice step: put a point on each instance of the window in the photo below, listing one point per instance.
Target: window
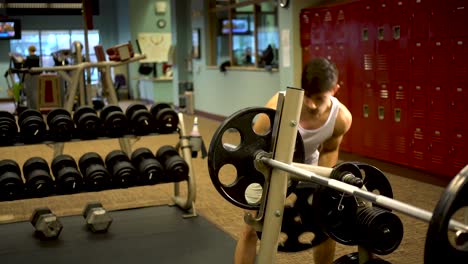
(244, 33)
(50, 41)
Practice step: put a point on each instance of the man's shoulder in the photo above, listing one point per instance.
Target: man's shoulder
(343, 121)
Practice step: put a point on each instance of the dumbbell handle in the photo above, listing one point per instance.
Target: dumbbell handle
(305, 175)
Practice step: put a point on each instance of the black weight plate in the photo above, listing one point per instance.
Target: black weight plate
(57, 112)
(115, 156)
(27, 113)
(375, 180)
(82, 110)
(62, 161)
(438, 248)
(353, 258)
(109, 109)
(35, 163)
(243, 156)
(165, 152)
(134, 107)
(167, 121)
(89, 158)
(142, 122)
(7, 115)
(141, 153)
(158, 107)
(11, 186)
(9, 165)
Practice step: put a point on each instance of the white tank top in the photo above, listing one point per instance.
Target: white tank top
(314, 137)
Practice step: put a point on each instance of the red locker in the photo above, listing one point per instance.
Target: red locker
(419, 146)
(306, 27)
(368, 127)
(328, 22)
(457, 114)
(418, 103)
(400, 143)
(441, 59)
(438, 104)
(343, 95)
(419, 19)
(438, 151)
(439, 19)
(459, 18)
(460, 59)
(384, 131)
(306, 54)
(316, 35)
(458, 151)
(419, 60)
(339, 29)
(400, 20)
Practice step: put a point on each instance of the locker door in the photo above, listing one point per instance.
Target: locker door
(369, 119)
(305, 27)
(420, 17)
(316, 34)
(306, 54)
(328, 21)
(459, 18)
(460, 59)
(317, 50)
(419, 60)
(368, 32)
(441, 59)
(458, 109)
(439, 23)
(458, 151)
(400, 23)
(419, 146)
(340, 25)
(418, 103)
(399, 124)
(384, 42)
(438, 151)
(438, 105)
(383, 122)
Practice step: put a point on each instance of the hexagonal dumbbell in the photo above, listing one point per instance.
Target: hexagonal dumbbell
(141, 120)
(39, 182)
(95, 175)
(11, 183)
(97, 218)
(60, 124)
(122, 170)
(150, 169)
(32, 126)
(175, 166)
(46, 224)
(166, 118)
(87, 122)
(114, 121)
(67, 177)
(8, 128)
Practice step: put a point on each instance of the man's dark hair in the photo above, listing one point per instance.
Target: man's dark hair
(319, 75)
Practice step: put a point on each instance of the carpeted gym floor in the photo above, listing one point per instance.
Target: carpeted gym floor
(209, 204)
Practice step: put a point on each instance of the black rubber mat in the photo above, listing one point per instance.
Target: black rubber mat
(146, 235)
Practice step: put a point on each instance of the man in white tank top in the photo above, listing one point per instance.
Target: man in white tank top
(323, 123)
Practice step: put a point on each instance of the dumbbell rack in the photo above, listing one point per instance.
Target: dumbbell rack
(187, 204)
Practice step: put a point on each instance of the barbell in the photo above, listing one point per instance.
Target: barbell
(252, 159)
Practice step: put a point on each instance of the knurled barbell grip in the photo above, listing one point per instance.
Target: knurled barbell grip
(305, 175)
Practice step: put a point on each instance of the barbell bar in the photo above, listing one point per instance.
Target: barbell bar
(307, 175)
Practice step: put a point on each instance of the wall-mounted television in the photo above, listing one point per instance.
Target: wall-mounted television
(237, 26)
(10, 29)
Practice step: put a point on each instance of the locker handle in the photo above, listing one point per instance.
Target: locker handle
(381, 112)
(452, 104)
(429, 147)
(397, 114)
(365, 110)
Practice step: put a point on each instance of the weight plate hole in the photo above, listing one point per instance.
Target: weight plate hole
(253, 193)
(261, 124)
(231, 139)
(227, 175)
